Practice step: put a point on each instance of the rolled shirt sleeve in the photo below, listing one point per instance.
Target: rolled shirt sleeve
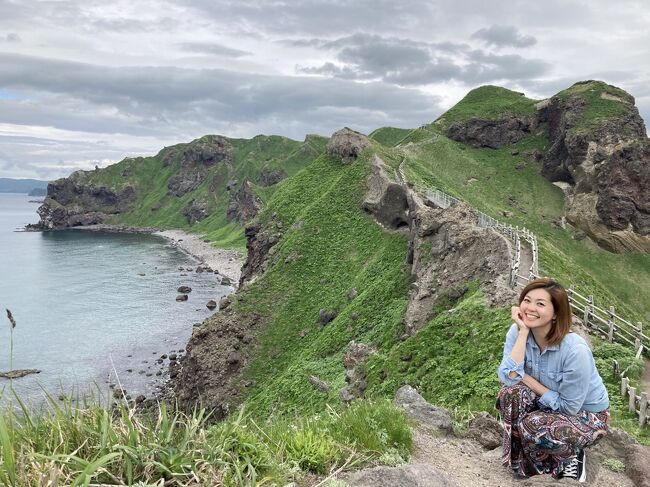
(574, 383)
(508, 365)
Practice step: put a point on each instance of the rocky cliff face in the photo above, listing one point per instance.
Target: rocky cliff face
(73, 202)
(606, 161)
(77, 200)
(507, 129)
(598, 145)
(448, 250)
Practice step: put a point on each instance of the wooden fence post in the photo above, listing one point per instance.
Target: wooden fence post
(624, 383)
(610, 322)
(631, 406)
(644, 406)
(615, 369)
(585, 318)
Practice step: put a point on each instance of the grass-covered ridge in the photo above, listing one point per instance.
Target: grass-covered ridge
(488, 103)
(331, 246)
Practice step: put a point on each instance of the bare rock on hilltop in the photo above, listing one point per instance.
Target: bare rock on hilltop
(347, 145)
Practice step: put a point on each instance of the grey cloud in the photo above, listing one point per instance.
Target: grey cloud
(11, 37)
(314, 17)
(491, 67)
(504, 36)
(174, 105)
(407, 62)
(212, 48)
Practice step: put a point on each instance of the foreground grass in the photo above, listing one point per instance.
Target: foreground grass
(75, 444)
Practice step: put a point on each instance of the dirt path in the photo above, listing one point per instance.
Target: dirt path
(466, 463)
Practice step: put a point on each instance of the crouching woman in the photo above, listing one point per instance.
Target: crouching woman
(553, 403)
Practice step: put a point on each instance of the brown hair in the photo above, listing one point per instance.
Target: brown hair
(561, 325)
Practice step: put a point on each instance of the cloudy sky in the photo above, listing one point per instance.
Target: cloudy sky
(89, 82)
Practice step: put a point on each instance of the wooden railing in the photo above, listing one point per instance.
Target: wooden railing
(607, 323)
(633, 398)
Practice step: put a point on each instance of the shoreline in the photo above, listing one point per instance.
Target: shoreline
(225, 262)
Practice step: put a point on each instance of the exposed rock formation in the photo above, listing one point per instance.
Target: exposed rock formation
(73, 201)
(347, 145)
(417, 408)
(244, 204)
(270, 177)
(507, 129)
(355, 377)
(607, 164)
(217, 352)
(411, 475)
(195, 159)
(448, 250)
(259, 242)
(195, 211)
(386, 200)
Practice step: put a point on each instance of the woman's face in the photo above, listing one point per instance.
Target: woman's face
(537, 309)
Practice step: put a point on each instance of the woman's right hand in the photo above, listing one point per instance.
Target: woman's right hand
(518, 317)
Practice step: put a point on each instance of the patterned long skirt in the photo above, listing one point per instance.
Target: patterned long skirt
(541, 442)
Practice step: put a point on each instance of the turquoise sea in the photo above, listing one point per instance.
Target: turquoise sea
(92, 307)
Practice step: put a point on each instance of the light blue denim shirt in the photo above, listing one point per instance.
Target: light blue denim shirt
(567, 369)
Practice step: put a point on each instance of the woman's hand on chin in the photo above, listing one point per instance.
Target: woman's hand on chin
(518, 317)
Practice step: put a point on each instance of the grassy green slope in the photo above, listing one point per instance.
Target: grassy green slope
(389, 136)
(488, 102)
(496, 181)
(335, 248)
(150, 178)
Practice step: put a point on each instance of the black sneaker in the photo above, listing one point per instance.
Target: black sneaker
(576, 468)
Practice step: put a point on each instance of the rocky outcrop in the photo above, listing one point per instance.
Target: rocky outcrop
(354, 363)
(607, 165)
(244, 205)
(194, 160)
(507, 129)
(418, 409)
(386, 200)
(74, 201)
(211, 370)
(411, 475)
(347, 145)
(448, 250)
(270, 177)
(259, 242)
(195, 211)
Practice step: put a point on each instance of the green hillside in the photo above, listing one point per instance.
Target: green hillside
(150, 176)
(488, 103)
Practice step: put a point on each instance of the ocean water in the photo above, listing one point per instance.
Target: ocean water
(92, 307)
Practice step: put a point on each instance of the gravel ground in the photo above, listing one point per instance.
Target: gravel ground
(227, 262)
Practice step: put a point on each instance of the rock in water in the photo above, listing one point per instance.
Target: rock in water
(212, 304)
(17, 374)
(181, 297)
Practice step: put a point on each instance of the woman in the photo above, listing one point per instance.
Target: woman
(553, 403)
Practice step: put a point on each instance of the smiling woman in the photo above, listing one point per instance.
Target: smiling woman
(553, 403)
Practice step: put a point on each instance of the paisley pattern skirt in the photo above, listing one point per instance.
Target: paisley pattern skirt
(539, 441)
